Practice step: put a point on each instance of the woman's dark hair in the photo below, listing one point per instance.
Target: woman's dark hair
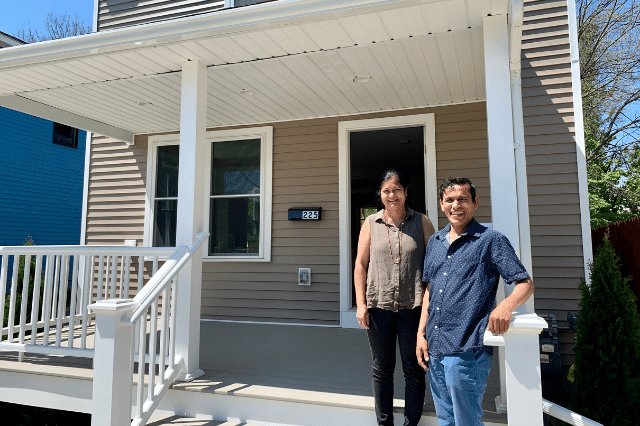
(387, 176)
(457, 181)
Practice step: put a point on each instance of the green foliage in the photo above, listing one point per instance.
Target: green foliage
(609, 46)
(608, 345)
(19, 286)
(614, 186)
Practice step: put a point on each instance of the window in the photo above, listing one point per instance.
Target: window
(165, 204)
(65, 135)
(237, 194)
(234, 204)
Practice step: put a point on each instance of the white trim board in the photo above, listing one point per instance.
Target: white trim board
(581, 153)
(347, 313)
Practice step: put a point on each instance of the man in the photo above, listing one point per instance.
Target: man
(462, 266)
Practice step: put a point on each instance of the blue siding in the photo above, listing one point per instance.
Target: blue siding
(40, 182)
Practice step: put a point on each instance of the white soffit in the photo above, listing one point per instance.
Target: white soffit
(298, 65)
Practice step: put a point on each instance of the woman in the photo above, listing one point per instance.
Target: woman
(387, 279)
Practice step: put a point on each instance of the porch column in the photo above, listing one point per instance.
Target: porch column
(191, 184)
(502, 168)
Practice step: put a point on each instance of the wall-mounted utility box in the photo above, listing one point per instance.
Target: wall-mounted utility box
(304, 276)
(305, 213)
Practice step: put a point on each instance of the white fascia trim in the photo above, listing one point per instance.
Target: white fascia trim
(85, 190)
(28, 106)
(221, 22)
(265, 133)
(347, 313)
(581, 153)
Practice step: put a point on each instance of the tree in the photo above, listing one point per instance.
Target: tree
(56, 26)
(609, 43)
(607, 368)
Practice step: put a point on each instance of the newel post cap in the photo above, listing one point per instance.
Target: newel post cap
(112, 305)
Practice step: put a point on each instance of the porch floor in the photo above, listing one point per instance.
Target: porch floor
(317, 365)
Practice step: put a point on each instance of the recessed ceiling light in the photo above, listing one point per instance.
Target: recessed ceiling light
(246, 93)
(361, 79)
(144, 104)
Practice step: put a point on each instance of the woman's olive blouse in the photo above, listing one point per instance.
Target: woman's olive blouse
(393, 286)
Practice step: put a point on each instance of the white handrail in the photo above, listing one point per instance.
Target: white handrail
(88, 250)
(154, 287)
(566, 415)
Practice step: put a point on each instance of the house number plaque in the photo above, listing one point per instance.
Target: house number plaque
(304, 213)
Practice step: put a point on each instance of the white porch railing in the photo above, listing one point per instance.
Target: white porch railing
(52, 315)
(525, 404)
(142, 330)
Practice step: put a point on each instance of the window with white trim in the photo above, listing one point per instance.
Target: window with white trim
(238, 193)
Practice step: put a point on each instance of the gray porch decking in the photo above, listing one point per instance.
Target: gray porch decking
(319, 365)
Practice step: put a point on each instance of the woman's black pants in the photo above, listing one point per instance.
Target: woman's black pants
(385, 327)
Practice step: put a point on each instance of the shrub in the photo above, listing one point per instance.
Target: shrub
(607, 368)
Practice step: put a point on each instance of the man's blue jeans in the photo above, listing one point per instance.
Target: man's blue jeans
(385, 327)
(457, 384)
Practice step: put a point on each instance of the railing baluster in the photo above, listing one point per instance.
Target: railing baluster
(48, 297)
(24, 302)
(3, 288)
(140, 273)
(74, 302)
(152, 348)
(35, 305)
(56, 283)
(85, 297)
(164, 329)
(12, 299)
(114, 273)
(100, 277)
(172, 332)
(127, 276)
(141, 363)
(62, 297)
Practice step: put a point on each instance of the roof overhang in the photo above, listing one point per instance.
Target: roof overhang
(297, 58)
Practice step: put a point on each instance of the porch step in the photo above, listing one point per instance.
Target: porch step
(166, 419)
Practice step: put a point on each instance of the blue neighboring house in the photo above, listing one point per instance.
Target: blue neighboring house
(41, 177)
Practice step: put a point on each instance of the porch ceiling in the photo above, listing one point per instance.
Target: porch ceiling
(298, 58)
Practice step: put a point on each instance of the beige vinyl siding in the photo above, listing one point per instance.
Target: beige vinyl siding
(114, 14)
(115, 209)
(305, 173)
(551, 163)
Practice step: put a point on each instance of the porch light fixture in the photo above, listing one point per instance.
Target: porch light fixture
(246, 93)
(361, 79)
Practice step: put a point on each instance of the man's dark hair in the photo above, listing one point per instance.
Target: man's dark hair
(457, 181)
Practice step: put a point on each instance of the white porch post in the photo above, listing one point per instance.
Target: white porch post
(112, 363)
(191, 183)
(504, 209)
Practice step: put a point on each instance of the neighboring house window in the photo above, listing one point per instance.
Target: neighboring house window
(238, 193)
(165, 203)
(65, 135)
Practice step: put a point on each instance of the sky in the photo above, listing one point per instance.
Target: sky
(16, 14)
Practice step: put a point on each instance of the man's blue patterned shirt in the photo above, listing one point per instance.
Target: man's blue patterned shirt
(464, 279)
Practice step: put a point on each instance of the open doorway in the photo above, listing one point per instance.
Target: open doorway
(371, 153)
(366, 148)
